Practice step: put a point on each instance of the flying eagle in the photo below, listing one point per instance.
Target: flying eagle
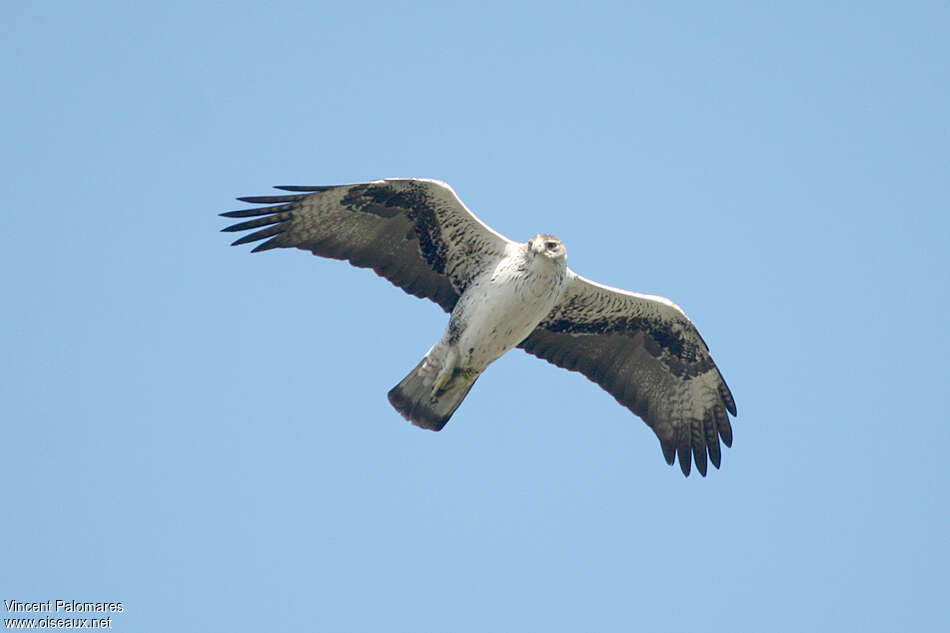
(417, 233)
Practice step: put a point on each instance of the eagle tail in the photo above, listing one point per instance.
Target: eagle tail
(413, 398)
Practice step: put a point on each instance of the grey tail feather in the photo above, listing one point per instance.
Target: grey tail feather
(414, 400)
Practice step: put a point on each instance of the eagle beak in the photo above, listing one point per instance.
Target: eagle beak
(537, 247)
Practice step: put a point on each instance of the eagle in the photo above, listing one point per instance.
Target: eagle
(501, 294)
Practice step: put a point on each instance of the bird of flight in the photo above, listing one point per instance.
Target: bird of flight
(501, 294)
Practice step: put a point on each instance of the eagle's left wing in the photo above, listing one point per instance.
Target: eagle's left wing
(415, 232)
(646, 353)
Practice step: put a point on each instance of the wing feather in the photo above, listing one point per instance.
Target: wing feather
(645, 352)
(414, 232)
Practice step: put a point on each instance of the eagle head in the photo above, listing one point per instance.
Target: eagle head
(547, 245)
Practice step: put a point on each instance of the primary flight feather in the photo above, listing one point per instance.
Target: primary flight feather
(501, 294)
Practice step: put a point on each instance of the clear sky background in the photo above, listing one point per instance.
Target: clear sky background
(203, 434)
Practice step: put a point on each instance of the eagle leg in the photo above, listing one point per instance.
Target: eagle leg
(446, 372)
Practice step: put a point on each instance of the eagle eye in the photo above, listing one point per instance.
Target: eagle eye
(550, 245)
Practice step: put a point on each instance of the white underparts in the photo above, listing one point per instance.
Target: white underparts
(497, 311)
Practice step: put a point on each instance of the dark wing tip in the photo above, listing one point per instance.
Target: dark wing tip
(669, 452)
(308, 188)
(250, 213)
(266, 246)
(686, 461)
(725, 432)
(276, 216)
(699, 455)
(270, 199)
(258, 235)
(253, 224)
(715, 454)
(244, 213)
(726, 395)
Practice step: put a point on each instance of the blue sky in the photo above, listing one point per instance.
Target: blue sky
(203, 434)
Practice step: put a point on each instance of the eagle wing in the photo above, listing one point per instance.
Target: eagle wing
(648, 355)
(414, 232)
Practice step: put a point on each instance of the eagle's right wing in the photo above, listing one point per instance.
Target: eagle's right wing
(414, 232)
